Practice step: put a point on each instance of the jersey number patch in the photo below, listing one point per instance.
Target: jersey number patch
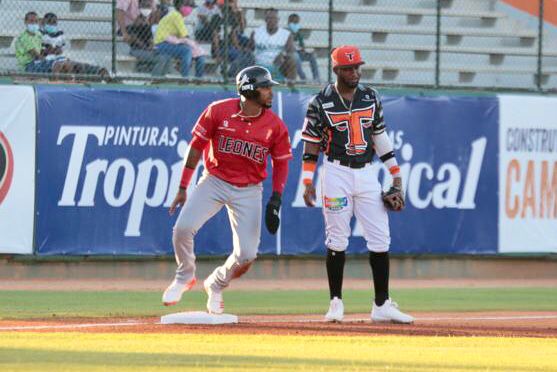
(354, 123)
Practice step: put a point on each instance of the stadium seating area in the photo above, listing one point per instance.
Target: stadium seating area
(481, 45)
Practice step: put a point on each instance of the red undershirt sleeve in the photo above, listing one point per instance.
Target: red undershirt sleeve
(280, 174)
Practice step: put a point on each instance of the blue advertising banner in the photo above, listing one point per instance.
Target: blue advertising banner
(109, 164)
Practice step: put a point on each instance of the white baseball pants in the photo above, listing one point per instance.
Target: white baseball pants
(347, 192)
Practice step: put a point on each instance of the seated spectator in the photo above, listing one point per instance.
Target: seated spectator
(302, 54)
(172, 39)
(164, 6)
(140, 38)
(52, 50)
(127, 12)
(208, 23)
(239, 53)
(53, 41)
(160, 11)
(28, 48)
(274, 47)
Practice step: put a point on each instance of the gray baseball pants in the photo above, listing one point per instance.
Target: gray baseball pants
(244, 212)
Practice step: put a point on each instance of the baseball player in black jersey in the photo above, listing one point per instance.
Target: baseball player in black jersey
(345, 122)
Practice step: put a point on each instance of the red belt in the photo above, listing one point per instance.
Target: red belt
(244, 184)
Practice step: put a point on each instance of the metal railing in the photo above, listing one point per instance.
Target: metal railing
(479, 44)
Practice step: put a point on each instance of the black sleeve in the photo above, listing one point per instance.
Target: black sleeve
(378, 119)
(313, 123)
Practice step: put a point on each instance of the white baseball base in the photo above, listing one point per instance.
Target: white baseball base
(198, 317)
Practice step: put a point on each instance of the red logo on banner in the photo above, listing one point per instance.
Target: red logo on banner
(6, 166)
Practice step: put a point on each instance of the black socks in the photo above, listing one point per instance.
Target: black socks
(335, 270)
(379, 263)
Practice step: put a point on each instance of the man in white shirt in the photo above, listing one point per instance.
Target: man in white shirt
(274, 47)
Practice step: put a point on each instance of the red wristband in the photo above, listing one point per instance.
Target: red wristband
(187, 173)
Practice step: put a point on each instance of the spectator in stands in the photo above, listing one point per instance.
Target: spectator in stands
(53, 43)
(160, 11)
(274, 47)
(172, 39)
(162, 8)
(302, 54)
(209, 20)
(140, 38)
(240, 54)
(53, 50)
(28, 48)
(127, 12)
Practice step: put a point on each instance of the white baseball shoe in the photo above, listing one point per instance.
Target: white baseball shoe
(173, 293)
(215, 303)
(336, 311)
(389, 312)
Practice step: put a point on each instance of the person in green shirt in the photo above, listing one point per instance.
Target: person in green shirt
(172, 28)
(28, 48)
(302, 54)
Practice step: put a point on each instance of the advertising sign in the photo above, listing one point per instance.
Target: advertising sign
(17, 169)
(110, 163)
(528, 174)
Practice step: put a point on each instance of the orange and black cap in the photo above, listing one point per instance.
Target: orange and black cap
(346, 55)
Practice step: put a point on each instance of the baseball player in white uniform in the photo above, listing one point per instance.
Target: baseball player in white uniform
(345, 122)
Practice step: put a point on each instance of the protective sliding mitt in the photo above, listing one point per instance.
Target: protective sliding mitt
(272, 220)
(393, 199)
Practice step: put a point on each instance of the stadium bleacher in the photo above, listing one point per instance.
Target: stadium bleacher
(480, 46)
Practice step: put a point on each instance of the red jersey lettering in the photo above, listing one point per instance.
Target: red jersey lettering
(245, 149)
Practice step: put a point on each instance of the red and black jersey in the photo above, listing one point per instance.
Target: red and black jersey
(344, 129)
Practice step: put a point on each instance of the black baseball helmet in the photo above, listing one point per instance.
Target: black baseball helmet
(251, 78)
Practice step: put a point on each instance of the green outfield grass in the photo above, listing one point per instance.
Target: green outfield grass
(131, 352)
(43, 304)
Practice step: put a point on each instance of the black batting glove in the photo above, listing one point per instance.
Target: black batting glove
(272, 220)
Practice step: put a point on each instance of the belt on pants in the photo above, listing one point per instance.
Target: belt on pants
(348, 163)
(243, 185)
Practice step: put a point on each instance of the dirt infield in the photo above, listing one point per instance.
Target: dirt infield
(497, 324)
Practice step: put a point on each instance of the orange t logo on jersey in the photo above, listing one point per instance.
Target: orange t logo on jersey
(354, 123)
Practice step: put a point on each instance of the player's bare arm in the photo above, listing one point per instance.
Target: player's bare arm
(397, 182)
(311, 155)
(192, 158)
